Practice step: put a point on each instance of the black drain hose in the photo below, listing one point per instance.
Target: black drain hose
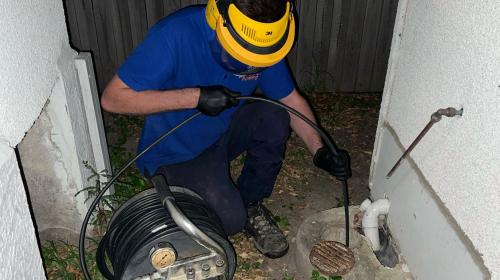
(324, 137)
(143, 220)
(328, 142)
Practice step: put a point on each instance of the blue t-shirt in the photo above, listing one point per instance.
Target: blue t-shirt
(174, 55)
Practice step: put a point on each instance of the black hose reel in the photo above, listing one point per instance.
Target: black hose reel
(151, 238)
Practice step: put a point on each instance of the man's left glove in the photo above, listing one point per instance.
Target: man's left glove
(213, 100)
(338, 165)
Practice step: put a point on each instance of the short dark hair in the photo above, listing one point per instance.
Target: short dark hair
(262, 10)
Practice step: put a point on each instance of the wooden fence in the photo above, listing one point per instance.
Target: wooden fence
(342, 45)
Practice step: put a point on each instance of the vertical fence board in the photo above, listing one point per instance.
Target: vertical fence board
(322, 31)
(333, 45)
(119, 40)
(138, 21)
(105, 38)
(305, 42)
(171, 6)
(185, 3)
(341, 45)
(342, 42)
(126, 29)
(86, 24)
(353, 45)
(71, 11)
(389, 10)
(368, 45)
(154, 11)
(87, 33)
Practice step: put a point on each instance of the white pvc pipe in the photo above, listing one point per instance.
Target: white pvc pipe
(370, 219)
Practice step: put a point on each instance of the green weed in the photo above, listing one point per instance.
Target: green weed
(282, 222)
(315, 275)
(104, 209)
(340, 202)
(61, 260)
(248, 266)
(290, 206)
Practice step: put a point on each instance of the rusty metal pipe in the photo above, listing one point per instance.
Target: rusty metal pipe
(435, 117)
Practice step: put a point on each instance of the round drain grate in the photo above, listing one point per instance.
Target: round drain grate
(331, 258)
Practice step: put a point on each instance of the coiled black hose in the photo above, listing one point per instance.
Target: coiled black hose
(324, 136)
(143, 219)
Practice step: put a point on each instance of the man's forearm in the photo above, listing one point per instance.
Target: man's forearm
(310, 136)
(119, 98)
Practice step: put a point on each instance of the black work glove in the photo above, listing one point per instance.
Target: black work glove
(213, 100)
(338, 165)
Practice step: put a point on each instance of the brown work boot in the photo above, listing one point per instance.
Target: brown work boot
(266, 235)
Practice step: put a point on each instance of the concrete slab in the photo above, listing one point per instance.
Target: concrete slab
(329, 225)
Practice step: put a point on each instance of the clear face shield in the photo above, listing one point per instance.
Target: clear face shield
(229, 63)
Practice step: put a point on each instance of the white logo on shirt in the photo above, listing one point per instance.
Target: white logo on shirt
(251, 77)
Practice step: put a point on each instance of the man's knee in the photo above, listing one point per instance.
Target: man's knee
(233, 218)
(226, 201)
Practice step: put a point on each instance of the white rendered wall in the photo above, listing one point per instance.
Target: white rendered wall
(32, 33)
(431, 241)
(31, 45)
(19, 254)
(40, 96)
(446, 53)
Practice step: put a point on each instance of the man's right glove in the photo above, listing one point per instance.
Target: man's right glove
(215, 99)
(338, 165)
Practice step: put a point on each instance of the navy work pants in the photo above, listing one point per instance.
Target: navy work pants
(259, 129)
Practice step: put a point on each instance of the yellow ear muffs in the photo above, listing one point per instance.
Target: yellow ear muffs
(251, 42)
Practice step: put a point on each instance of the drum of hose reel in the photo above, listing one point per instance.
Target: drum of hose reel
(144, 242)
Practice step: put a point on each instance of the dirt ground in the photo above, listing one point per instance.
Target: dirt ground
(301, 189)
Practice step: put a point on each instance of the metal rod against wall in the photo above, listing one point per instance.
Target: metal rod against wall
(435, 117)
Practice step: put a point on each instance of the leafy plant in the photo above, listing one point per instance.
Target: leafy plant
(248, 266)
(61, 260)
(282, 222)
(104, 209)
(315, 275)
(340, 202)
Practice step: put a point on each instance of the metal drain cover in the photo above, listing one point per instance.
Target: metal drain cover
(331, 258)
